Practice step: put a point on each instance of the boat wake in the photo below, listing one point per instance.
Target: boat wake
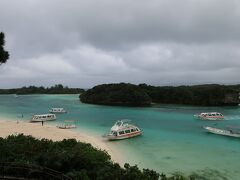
(230, 118)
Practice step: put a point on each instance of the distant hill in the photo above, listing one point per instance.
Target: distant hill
(57, 89)
(143, 94)
(116, 94)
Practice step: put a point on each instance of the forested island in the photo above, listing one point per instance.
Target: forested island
(126, 94)
(31, 158)
(57, 89)
(117, 94)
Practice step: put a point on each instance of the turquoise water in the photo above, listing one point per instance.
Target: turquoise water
(173, 141)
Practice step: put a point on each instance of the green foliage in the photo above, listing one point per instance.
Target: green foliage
(4, 55)
(75, 159)
(116, 94)
(57, 89)
(207, 95)
(129, 94)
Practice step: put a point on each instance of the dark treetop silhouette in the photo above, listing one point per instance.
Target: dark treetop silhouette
(4, 55)
(137, 95)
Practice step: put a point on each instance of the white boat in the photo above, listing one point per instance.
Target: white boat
(212, 116)
(57, 110)
(123, 129)
(43, 117)
(224, 132)
(68, 124)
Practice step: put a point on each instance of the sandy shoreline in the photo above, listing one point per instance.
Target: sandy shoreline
(11, 127)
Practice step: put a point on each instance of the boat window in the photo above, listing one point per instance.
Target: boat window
(137, 129)
(115, 133)
(133, 130)
(127, 131)
(121, 132)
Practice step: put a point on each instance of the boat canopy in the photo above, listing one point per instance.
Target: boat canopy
(122, 124)
(211, 114)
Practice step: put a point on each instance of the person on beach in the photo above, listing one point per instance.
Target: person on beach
(42, 123)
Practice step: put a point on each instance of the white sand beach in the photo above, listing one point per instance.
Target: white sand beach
(10, 127)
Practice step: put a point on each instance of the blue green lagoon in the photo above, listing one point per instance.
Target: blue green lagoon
(173, 140)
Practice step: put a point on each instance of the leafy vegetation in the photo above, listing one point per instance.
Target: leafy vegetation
(116, 94)
(129, 94)
(75, 159)
(57, 89)
(206, 95)
(4, 55)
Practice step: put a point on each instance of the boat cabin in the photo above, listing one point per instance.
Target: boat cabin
(43, 117)
(210, 116)
(67, 124)
(57, 110)
(123, 132)
(123, 129)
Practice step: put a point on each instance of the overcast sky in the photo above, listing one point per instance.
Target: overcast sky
(85, 43)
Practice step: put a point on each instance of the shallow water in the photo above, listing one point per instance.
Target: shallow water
(173, 141)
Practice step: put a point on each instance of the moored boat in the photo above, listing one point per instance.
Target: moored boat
(68, 124)
(57, 110)
(212, 116)
(123, 129)
(43, 117)
(225, 132)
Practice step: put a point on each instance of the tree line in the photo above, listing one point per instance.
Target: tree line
(143, 94)
(205, 95)
(57, 89)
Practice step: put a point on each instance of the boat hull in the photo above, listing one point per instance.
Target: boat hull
(221, 132)
(216, 118)
(212, 119)
(66, 127)
(125, 136)
(40, 120)
(57, 112)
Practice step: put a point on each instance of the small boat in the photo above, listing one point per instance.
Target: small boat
(43, 117)
(68, 124)
(212, 116)
(123, 129)
(57, 110)
(225, 132)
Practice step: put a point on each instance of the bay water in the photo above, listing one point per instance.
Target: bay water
(173, 141)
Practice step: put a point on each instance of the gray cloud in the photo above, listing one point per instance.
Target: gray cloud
(83, 43)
